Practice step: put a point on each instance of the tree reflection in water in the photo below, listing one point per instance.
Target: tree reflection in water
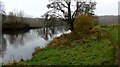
(16, 40)
(19, 39)
(48, 32)
(3, 48)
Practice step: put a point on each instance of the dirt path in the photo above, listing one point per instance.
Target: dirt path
(118, 57)
(117, 53)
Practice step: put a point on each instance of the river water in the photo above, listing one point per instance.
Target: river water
(21, 45)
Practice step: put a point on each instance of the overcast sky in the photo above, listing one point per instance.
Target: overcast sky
(36, 8)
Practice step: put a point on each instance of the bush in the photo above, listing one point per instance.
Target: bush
(84, 24)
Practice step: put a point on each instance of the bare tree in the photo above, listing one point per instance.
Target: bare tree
(63, 9)
(21, 15)
(2, 12)
(16, 16)
(2, 8)
(12, 17)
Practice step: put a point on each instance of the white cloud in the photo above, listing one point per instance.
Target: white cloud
(38, 7)
(107, 7)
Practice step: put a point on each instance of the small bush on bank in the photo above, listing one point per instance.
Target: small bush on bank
(84, 24)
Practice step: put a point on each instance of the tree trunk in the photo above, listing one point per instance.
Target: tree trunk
(70, 20)
(72, 26)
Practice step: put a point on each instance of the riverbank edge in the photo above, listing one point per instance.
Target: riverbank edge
(38, 50)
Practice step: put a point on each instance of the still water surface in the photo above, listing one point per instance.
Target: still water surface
(17, 46)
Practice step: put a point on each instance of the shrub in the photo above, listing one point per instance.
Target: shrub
(84, 24)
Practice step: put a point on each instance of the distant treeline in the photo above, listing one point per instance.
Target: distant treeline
(108, 19)
(101, 20)
(41, 22)
(11, 20)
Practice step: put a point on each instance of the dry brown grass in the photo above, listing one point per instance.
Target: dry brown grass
(68, 40)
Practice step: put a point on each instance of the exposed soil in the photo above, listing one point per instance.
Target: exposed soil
(117, 53)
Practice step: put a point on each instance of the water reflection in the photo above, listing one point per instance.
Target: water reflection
(23, 44)
(2, 48)
(48, 33)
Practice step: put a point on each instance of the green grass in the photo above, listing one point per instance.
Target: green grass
(96, 53)
(75, 49)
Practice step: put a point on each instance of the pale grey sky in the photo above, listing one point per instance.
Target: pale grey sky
(36, 8)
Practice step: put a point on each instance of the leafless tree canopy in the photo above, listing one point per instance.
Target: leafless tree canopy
(2, 8)
(68, 9)
(16, 16)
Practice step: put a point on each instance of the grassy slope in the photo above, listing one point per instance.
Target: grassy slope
(94, 49)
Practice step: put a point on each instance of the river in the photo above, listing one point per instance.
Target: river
(21, 45)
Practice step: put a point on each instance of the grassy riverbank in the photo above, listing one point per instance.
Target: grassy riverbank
(96, 48)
